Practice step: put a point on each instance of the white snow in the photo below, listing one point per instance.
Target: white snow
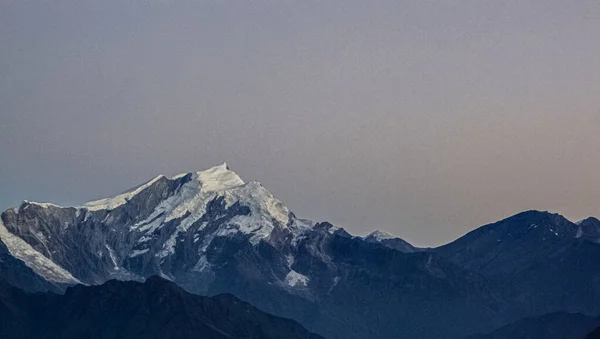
(87, 216)
(264, 210)
(193, 197)
(290, 260)
(34, 259)
(135, 253)
(219, 178)
(333, 229)
(168, 247)
(202, 265)
(178, 176)
(206, 186)
(336, 280)
(294, 279)
(42, 204)
(121, 199)
(113, 257)
(144, 239)
(380, 235)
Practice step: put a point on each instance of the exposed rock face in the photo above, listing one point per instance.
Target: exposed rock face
(132, 310)
(590, 229)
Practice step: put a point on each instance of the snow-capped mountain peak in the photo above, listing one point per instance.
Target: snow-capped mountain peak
(189, 203)
(149, 226)
(217, 178)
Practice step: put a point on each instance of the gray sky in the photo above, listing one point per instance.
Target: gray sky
(422, 118)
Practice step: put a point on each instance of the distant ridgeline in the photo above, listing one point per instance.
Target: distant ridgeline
(211, 233)
(127, 310)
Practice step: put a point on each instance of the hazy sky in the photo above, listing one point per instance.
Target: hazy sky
(422, 118)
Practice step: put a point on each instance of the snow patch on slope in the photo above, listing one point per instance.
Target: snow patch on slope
(121, 199)
(380, 235)
(34, 259)
(136, 253)
(294, 279)
(113, 257)
(202, 265)
(264, 210)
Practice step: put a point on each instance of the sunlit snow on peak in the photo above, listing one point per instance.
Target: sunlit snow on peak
(114, 202)
(219, 178)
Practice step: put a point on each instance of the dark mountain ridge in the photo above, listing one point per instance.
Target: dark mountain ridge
(541, 261)
(559, 325)
(131, 310)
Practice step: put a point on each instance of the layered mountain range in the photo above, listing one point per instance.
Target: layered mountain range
(210, 233)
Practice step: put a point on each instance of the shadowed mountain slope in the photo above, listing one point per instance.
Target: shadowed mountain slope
(560, 325)
(128, 310)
